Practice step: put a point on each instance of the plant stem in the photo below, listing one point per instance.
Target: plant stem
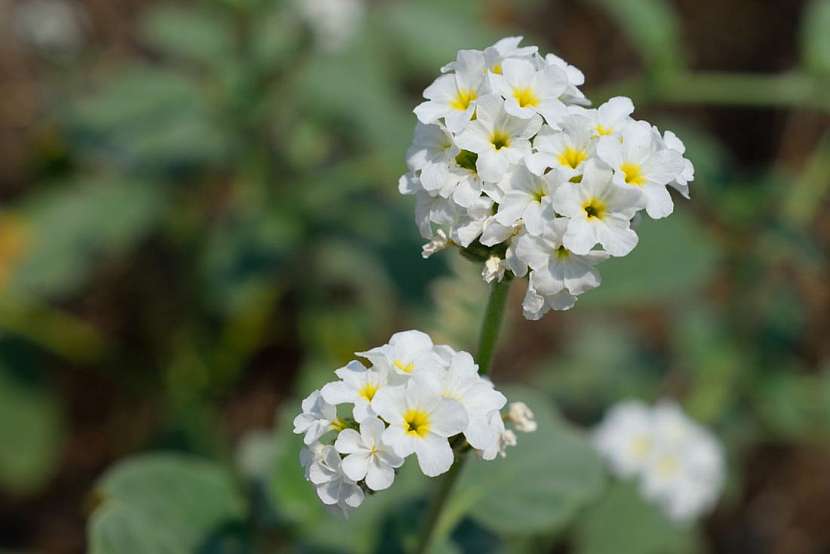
(486, 346)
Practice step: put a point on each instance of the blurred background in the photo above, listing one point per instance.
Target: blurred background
(199, 220)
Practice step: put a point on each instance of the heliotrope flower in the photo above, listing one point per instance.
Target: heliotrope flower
(506, 144)
(679, 464)
(416, 398)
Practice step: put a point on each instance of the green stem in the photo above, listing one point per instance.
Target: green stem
(486, 346)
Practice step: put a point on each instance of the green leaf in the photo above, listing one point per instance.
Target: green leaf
(189, 34)
(815, 40)
(542, 483)
(653, 29)
(72, 226)
(675, 258)
(31, 432)
(623, 523)
(164, 504)
(147, 119)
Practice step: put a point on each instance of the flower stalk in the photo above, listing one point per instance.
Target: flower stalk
(493, 316)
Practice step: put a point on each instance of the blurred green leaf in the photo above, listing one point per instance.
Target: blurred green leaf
(623, 523)
(542, 483)
(31, 433)
(795, 406)
(653, 28)
(190, 34)
(815, 40)
(148, 119)
(165, 503)
(79, 223)
(674, 260)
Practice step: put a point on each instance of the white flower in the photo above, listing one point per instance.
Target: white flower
(461, 382)
(535, 305)
(323, 468)
(318, 417)
(503, 438)
(555, 268)
(524, 197)
(420, 421)
(357, 386)
(672, 142)
(575, 77)
(598, 212)
(494, 55)
(498, 138)
(333, 22)
(406, 353)
(564, 150)
(610, 118)
(684, 473)
(625, 438)
(453, 96)
(439, 242)
(54, 26)
(528, 91)
(522, 417)
(367, 456)
(639, 164)
(432, 152)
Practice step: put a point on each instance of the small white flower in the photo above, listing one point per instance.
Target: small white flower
(493, 269)
(334, 488)
(498, 138)
(461, 381)
(454, 96)
(610, 118)
(406, 353)
(439, 242)
(318, 417)
(522, 417)
(524, 197)
(626, 438)
(599, 212)
(639, 164)
(555, 268)
(576, 78)
(420, 421)
(564, 150)
(528, 91)
(535, 304)
(367, 456)
(494, 55)
(357, 386)
(672, 142)
(506, 439)
(432, 153)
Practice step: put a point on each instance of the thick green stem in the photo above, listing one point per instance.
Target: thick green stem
(486, 346)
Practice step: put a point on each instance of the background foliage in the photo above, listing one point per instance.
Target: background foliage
(199, 221)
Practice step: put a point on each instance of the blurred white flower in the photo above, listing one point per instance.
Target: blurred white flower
(56, 27)
(680, 465)
(522, 417)
(333, 22)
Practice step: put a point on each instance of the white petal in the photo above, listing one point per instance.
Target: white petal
(349, 441)
(356, 465)
(379, 476)
(434, 455)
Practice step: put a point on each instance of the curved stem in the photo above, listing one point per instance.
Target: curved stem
(486, 346)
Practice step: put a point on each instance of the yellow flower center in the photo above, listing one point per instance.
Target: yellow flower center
(667, 466)
(640, 447)
(416, 423)
(497, 69)
(338, 424)
(499, 140)
(463, 99)
(633, 174)
(405, 367)
(571, 157)
(368, 391)
(602, 130)
(526, 97)
(562, 253)
(594, 208)
(539, 194)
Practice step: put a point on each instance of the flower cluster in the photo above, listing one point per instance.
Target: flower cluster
(680, 464)
(508, 163)
(414, 398)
